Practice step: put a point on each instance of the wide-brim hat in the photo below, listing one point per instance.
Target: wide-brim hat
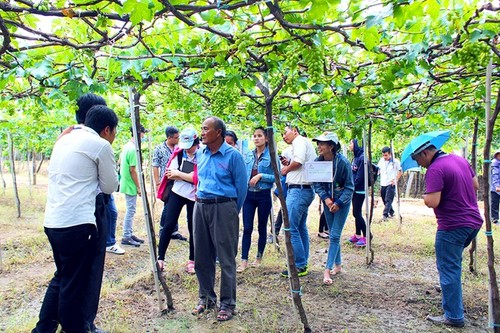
(326, 137)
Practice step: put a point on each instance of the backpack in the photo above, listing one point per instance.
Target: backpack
(372, 173)
(166, 184)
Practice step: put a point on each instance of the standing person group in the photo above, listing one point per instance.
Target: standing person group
(358, 197)
(261, 179)
(390, 172)
(299, 195)
(451, 187)
(82, 162)
(129, 185)
(336, 196)
(182, 169)
(221, 191)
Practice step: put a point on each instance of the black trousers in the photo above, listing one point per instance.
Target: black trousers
(357, 205)
(387, 193)
(175, 204)
(91, 301)
(49, 314)
(74, 252)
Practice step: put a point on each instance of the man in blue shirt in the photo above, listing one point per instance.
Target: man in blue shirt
(221, 191)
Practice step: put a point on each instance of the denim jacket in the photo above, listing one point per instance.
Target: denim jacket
(343, 187)
(264, 167)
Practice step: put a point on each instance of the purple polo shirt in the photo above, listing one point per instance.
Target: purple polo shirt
(452, 176)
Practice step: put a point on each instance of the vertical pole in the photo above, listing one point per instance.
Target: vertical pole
(144, 194)
(396, 193)
(367, 210)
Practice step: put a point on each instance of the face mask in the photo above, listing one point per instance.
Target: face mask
(144, 139)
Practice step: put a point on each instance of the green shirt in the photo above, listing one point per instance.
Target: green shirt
(128, 159)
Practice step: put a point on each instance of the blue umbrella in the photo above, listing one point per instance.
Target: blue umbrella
(436, 138)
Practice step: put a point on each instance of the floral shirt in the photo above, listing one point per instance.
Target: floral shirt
(161, 155)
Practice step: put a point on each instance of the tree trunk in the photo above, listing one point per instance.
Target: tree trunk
(292, 269)
(409, 182)
(473, 245)
(33, 167)
(494, 299)
(13, 172)
(4, 184)
(40, 165)
(28, 168)
(159, 278)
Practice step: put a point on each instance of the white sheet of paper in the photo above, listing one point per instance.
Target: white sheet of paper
(319, 171)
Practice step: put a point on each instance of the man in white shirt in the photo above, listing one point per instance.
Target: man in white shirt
(299, 195)
(390, 172)
(81, 161)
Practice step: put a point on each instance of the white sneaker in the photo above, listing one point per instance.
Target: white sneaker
(116, 249)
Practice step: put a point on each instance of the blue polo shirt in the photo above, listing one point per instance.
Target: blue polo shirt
(221, 174)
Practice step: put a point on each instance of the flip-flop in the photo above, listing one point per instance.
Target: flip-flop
(327, 281)
(225, 314)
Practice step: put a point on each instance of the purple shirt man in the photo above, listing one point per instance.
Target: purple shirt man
(452, 176)
(450, 191)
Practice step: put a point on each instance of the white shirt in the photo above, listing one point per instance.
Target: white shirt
(80, 162)
(388, 170)
(302, 152)
(183, 188)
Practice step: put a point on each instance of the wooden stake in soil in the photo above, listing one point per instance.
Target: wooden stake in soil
(494, 297)
(292, 270)
(13, 172)
(473, 245)
(158, 277)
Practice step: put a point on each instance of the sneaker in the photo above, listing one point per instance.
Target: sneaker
(354, 239)
(137, 239)
(177, 235)
(301, 272)
(361, 242)
(495, 222)
(130, 241)
(115, 249)
(442, 320)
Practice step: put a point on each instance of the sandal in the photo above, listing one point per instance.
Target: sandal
(243, 265)
(190, 267)
(337, 270)
(323, 235)
(225, 314)
(257, 262)
(202, 307)
(327, 280)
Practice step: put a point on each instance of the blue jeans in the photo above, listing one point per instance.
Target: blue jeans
(131, 202)
(262, 202)
(449, 248)
(112, 216)
(297, 203)
(336, 224)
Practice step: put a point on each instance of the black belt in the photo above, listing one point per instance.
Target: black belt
(299, 186)
(214, 200)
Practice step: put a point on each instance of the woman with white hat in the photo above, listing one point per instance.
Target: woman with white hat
(336, 197)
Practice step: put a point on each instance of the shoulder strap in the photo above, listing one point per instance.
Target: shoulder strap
(179, 159)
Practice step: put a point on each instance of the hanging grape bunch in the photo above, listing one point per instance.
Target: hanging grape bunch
(474, 55)
(292, 58)
(314, 60)
(224, 99)
(243, 41)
